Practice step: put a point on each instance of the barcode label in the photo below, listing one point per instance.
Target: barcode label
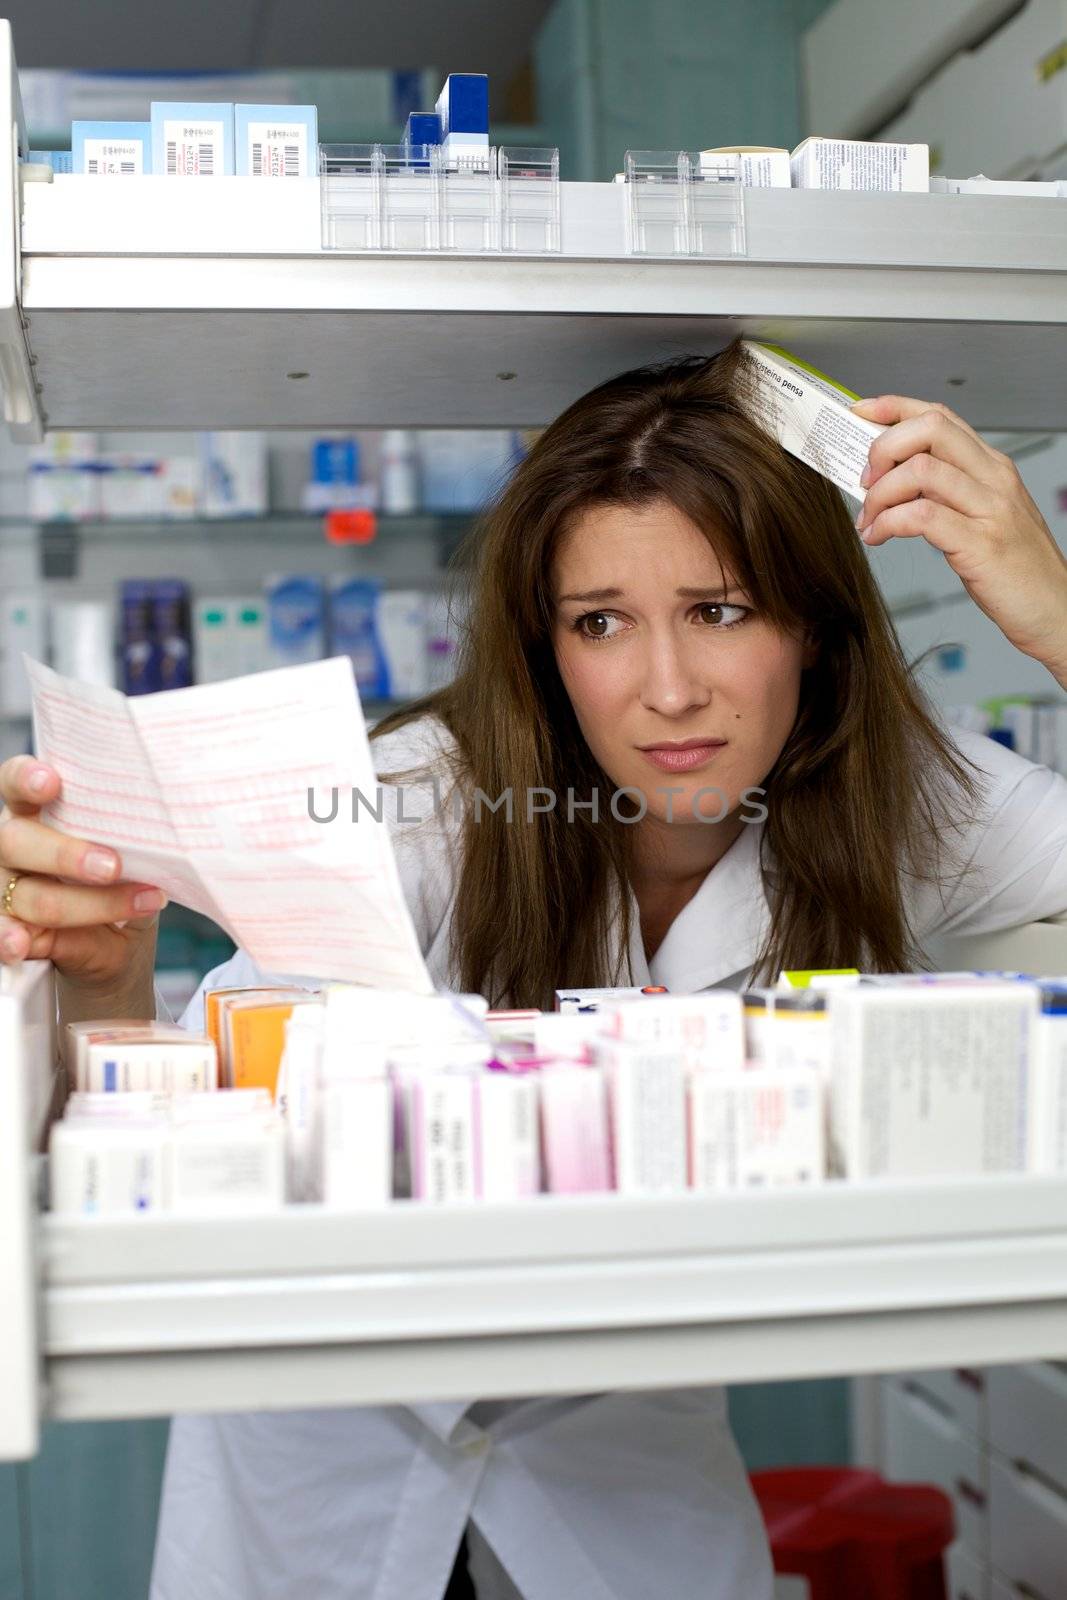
(122, 158)
(276, 150)
(193, 150)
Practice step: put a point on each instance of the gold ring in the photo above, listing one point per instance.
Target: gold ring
(5, 901)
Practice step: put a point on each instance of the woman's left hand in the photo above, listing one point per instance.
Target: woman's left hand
(930, 474)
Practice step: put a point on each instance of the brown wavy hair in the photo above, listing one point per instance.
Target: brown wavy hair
(859, 800)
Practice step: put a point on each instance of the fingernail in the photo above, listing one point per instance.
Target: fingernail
(149, 900)
(10, 946)
(100, 864)
(865, 476)
(37, 780)
(860, 519)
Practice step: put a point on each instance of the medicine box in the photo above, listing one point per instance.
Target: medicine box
(111, 149)
(859, 164)
(58, 160)
(423, 127)
(276, 141)
(233, 475)
(647, 1097)
(99, 1168)
(507, 1136)
(759, 166)
(191, 140)
(401, 627)
(463, 109)
(575, 1131)
(440, 1112)
(296, 619)
(353, 630)
(932, 1079)
(756, 1129)
(234, 1163)
(809, 414)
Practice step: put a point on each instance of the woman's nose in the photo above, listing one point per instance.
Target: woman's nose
(672, 681)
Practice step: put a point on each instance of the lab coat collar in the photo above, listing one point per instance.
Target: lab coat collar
(718, 935)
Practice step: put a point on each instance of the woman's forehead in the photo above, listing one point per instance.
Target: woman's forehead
(634, 540)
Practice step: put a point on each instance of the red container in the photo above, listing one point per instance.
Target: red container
(855, 1537)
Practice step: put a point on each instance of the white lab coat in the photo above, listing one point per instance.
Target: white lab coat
(603, 1497)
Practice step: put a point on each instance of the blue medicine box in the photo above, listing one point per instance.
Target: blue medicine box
(191, 140)
(463, 104)
(276, 141)
(424, 127)
(58, 160)
(111, 149)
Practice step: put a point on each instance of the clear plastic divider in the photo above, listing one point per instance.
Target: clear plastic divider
(716, 206)
(657, 202)
(410, 198)
(470, 218)
(349, 177)
(529, 199)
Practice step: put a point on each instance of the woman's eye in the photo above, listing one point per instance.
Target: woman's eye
(717, 614)
(598, 625)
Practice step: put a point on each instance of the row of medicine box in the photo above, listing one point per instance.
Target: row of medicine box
(384, 1096)
(201, 140)
(212, 139)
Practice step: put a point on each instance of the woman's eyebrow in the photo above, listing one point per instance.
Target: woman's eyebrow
(592, 595)
(595, 596)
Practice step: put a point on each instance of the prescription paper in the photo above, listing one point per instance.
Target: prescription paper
(810, 416)
(204, 792)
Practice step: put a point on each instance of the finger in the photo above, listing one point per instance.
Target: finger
(891, 408)
(15, 940)
(933, 434)
(939, 525)
(27, 784)
(926, 477)
(51, 904)
(32, 846)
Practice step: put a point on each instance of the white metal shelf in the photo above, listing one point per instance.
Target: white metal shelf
(307, 1306)
(160, 303)
(552, 1296)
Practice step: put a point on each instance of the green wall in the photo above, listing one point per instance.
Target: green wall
(618, 75)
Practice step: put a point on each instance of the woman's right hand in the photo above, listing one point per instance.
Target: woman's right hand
(66, 905)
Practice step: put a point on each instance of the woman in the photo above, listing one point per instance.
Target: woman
(668, 614)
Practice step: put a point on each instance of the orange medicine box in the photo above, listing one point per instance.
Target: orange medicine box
(255, 1037)
(216, 1003)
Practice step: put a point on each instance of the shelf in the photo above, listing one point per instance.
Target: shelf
(419, 342)
(156, 1315)
(276, 525)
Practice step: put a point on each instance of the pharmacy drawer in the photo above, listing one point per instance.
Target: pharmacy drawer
(1028, 1419)
(923, 1445)
(968, 1578)
(1027, 1531)
(961, 1391)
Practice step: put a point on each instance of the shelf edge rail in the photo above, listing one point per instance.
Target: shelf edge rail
(21, 393)
(27, 1089)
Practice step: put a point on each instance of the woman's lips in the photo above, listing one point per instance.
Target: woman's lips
(683, 758)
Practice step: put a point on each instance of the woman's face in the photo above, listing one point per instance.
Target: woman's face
(678, 684)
